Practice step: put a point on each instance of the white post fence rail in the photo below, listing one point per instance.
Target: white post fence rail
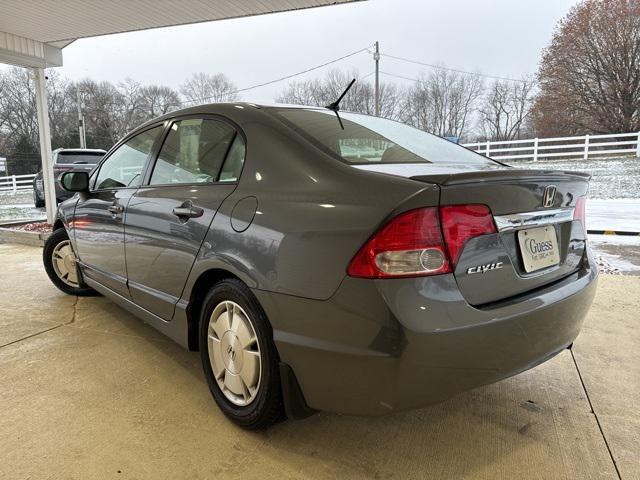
(16, 183)
(585, 146)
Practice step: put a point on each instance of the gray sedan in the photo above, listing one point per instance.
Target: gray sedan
(328, 262)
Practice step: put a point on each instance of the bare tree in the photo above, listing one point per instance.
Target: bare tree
(505, 112)
(18, 106)
(63, 117)
(130, 109)
(361, 96)
(442, 102)
(18, 118)
(206, 88)
(590, 74)
(158, 100)
(140, 103)
(102, 112)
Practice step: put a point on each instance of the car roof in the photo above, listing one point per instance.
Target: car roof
(227, 109)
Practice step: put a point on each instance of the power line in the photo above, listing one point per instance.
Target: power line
(440, 67)
(400, 76)
(286, 77)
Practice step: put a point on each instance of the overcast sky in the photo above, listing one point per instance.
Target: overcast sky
(498, 37)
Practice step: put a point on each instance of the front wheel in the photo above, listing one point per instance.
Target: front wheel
(60, 264)
(239, 357)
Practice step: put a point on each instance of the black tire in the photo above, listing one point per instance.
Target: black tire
(57, 237)
(37, 200)
(267, 407)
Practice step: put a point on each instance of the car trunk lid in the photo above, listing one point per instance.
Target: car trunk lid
(537, 242)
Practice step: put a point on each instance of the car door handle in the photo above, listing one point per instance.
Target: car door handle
(187, 210)
(116, 209)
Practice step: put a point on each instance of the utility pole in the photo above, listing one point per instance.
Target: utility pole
(376, 58)
(81, 130)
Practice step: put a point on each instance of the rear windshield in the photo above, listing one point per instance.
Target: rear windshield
(372, 140)
(81, 158)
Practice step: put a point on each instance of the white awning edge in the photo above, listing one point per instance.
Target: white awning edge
(25, 52)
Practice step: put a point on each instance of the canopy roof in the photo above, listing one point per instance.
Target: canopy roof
(32, 33)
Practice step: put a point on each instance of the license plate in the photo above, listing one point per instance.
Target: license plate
(539, 248)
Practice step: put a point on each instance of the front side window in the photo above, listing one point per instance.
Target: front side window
(124, 167)
(193, 152)
(370, 140)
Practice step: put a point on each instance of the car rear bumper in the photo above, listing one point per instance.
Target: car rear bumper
(381, 346)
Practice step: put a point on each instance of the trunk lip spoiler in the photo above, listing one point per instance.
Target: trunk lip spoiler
(505, 175)
(515, 221)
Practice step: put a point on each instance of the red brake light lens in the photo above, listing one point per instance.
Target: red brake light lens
(579, 212)
(409, 245)
(463, 222)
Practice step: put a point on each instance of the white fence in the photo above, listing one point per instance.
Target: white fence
(16, 183)
(586, 146)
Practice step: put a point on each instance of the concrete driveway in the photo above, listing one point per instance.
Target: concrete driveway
(88, 391)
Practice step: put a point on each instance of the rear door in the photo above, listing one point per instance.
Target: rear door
(98, 225)
(197, 167)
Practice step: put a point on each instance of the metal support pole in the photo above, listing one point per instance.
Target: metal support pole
(45, 144)
(376, 58)
(81, 130)
(638, 146)
(535, 149)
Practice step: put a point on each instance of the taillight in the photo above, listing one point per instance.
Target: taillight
(579, 213)
(409, 245)
(463, 222)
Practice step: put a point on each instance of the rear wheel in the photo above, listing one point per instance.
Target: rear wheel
(60, 264)
(239, 357)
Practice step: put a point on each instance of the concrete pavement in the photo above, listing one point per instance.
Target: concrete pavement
(88, 391)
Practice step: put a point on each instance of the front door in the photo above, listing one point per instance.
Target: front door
(167, 219)
(98, 225)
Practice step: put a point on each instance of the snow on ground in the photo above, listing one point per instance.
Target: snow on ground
(21, 212)
(610, 177)
(616, 254)
(614, 214)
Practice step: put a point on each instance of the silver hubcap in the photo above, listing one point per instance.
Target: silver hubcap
(234, 353)
(64, 263)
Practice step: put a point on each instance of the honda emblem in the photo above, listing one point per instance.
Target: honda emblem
(548, 196)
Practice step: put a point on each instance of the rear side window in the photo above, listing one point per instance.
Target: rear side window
(78, 158)
(193, 152)
(372, 140)
(235, 159)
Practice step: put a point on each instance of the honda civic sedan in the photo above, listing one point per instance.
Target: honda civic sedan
(321, 260)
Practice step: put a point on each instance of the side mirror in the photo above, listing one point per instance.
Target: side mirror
(75, 181)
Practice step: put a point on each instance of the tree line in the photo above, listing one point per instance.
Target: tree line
(442, 102)
(110, 110)
(588, 81)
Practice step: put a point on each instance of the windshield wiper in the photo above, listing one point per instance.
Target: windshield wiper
(335, 106)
